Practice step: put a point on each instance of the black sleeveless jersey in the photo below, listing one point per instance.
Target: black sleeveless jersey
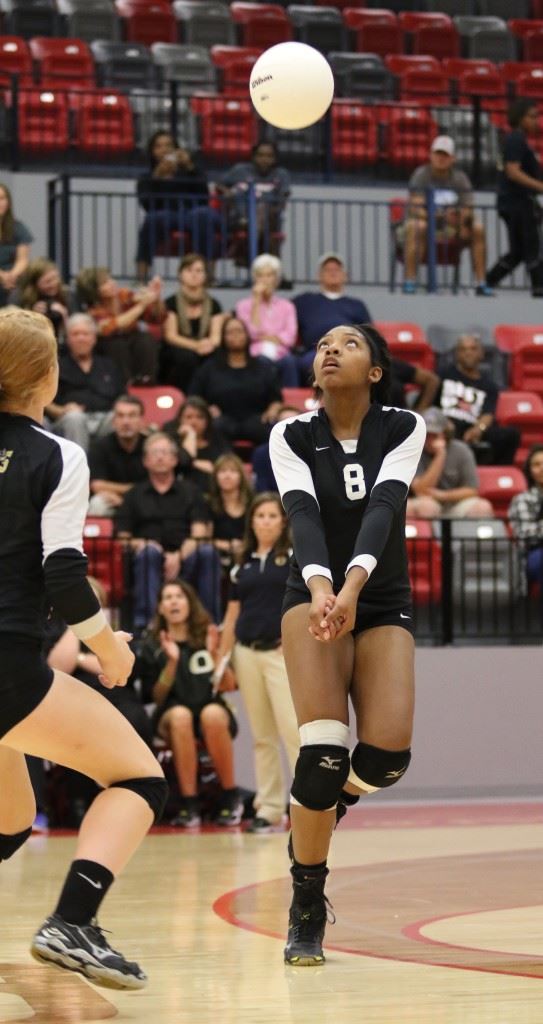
(44, 491)
(345, 500)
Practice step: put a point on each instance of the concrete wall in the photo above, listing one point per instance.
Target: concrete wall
(478, 726)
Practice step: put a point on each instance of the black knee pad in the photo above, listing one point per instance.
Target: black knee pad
(153, 790)
(320, 774)
(10, 844)
(373, 768)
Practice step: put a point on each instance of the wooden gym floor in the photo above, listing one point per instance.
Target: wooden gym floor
(439, 921)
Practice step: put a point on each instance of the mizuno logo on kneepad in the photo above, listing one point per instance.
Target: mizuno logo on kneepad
(333, 763)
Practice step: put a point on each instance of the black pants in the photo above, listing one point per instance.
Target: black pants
(502, 445)
(135, 353)
(250, 428)
(522, 225)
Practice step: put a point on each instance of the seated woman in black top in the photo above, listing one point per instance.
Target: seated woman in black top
(229, 498)
(176, 666)
(200, 445)
(193, 323)
(174, 193)
(243, 391)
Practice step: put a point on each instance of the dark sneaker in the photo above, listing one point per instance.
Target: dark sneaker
(231, 810)
(188, 817)
(309, 912)
(83, 948)
(259, 826)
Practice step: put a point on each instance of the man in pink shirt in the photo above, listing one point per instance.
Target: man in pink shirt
(270, 321)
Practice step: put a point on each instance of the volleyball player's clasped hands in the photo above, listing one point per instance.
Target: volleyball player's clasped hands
(118, 665)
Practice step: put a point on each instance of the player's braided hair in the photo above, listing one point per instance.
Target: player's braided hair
(380, 356)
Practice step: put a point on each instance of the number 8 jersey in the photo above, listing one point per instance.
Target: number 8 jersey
(345, 500)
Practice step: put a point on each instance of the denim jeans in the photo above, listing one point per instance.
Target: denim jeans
(202, 570)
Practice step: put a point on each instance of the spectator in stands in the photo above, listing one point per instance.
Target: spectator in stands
(519, 182)
(272, 189)
(200, 444)
(468, 397)
(122, 317)
(87, 388)
(175, 195)
(526, 518)
(243, 391)
(40, 288)
(455, 220)
(116, 460)
(229, 497)
(446, 483)
(176, 666)
(404, 373)
(252, 632)
(318, 312)
(193, 324)
(264, 479)
(162, 519)
(15, 241)
(270, 320)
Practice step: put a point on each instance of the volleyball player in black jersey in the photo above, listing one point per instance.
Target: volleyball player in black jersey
(43, 502)
(343, 472)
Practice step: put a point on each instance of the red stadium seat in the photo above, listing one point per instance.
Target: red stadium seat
(63, 63)
(374, 31)
(526, 368)
(511, 70)
(424, 87)
(488, 85)
(530, 84)
(382, 39)
(453, 67)
(499, 484)
(522, 409)
(400, 64)
(104, 121)
(301, 398)
(43, 120)
(522, 27)
(147, 21)
(105, 557)
(411, 21)
(15, 59)
(511, 336)
(424, 560)
(355, 138)
(408, 134)
(161, 403)
(235, 64)
(407, 341)
(228, 127)
(261, 25)
(533, 45)
(439, 42)
(402, 331)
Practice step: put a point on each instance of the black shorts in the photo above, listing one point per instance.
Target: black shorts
(25, 679)
(367, 615)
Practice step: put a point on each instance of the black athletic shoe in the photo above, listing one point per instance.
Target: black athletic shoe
(309, 912)
(84, 948)
(260, 826)
(231, 810)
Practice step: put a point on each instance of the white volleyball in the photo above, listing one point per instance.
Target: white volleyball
(291, 85)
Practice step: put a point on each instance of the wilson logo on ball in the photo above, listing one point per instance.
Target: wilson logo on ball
(292, 85)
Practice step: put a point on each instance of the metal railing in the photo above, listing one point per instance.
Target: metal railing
(90, 225)
(469, 584)
(361, 138)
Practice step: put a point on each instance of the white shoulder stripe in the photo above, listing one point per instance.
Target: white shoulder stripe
(64, 514)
